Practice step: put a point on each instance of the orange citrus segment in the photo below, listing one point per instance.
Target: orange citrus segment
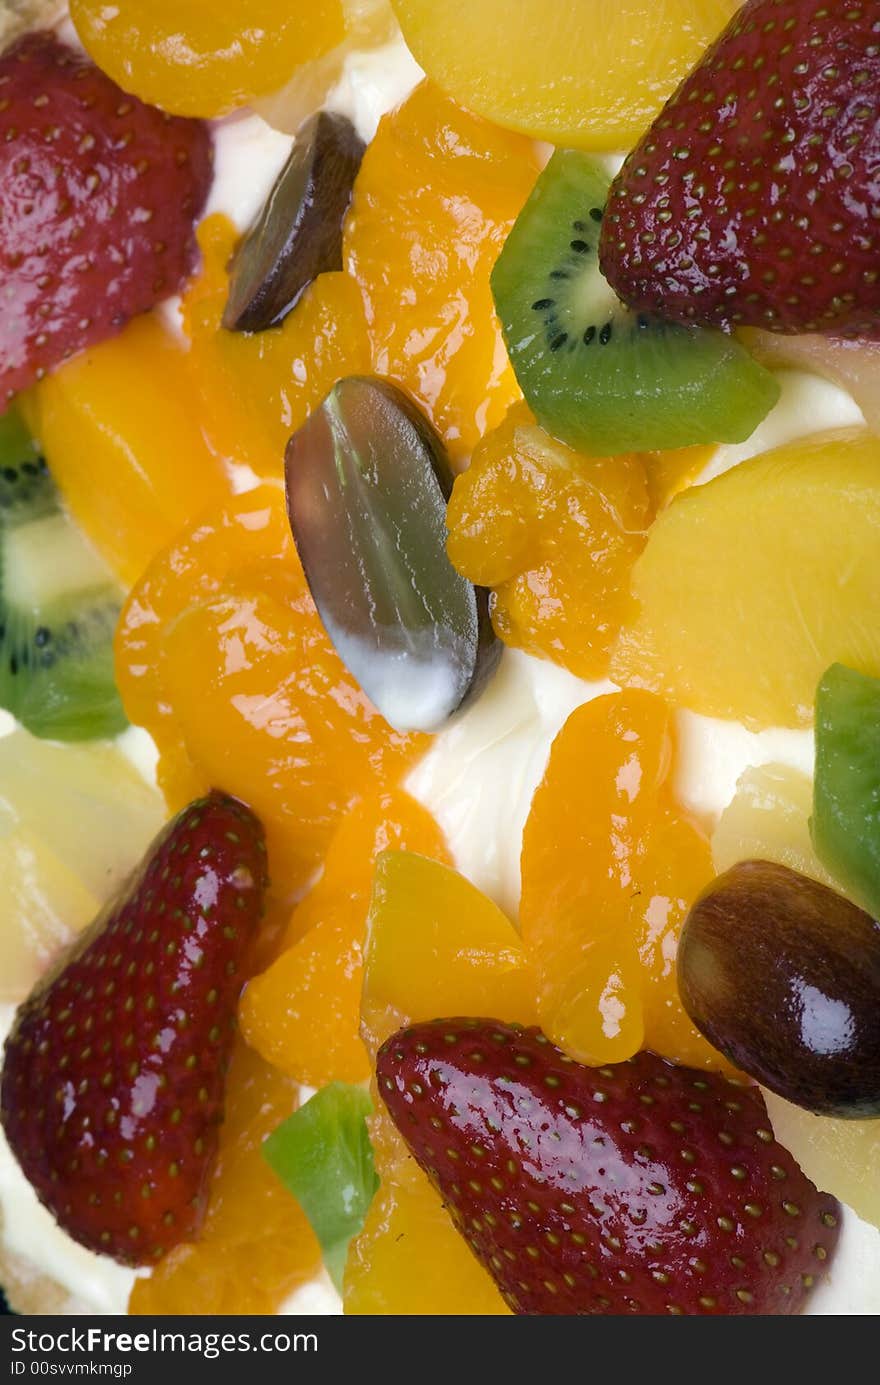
(256, 1246)
(436, 946)
(610, 866)
(193, 58)
(222, 657)
(587, 74)
(255, 389)
(555, 535)
(421, 238)
(669, 473)
(303, 1013)
(436, 196)
(119, 434)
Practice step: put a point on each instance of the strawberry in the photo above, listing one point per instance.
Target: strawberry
(113, 1081)
(98, 193)
(754, 198)
(641, 1188)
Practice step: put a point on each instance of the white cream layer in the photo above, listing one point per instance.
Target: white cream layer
(480, 774)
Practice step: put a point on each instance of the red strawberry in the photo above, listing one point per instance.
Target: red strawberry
(112, 1087)
(98, 193)
(642, 1188)
(754, 198)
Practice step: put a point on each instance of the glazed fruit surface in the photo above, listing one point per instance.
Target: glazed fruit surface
(729, 599)
(118, 431)
(205, 60)
(421, 238)
(610, 866)
(422, 230)
(256, 1246)
(303, 1013)
(222, 657)
(777, 552)
(434, 941)
(768, 819)
(554, 535)
(638, 53)
(255, 390)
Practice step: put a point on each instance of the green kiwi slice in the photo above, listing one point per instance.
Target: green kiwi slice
(58, 606)
(600, 377)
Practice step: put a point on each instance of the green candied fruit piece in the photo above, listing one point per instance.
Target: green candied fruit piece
(323, 1154)
(846, 791)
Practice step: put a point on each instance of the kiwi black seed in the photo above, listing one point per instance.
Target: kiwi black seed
(600, 377)
(58, 605)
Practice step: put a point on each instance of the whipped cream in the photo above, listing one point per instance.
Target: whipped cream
(481, 771)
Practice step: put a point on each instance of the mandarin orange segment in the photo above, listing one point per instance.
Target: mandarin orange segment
(118, 431)
(555, 535)
(193, 58)
(222, 657)
(303, 1013)
(256, 1247)
(669, 473)
(436, 196)
(256, 389)
(610, 867)
(436, 946)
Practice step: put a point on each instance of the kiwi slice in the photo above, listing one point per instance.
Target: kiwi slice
(600, 377)
(58, 606)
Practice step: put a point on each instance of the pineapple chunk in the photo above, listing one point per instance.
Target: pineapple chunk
(44, 905)
(842, 1157)
(751, 585)
(74, 821)
(769, 820)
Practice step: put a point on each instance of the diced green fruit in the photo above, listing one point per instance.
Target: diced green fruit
(846, 789)
(368, 482)
(58, 606)
(298, 233)
(599, 377)
(324, 1156)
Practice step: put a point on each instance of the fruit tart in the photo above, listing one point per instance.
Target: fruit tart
(440, 668)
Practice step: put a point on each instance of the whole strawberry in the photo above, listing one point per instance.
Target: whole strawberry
(99, 194)
(641, 1188)
(754, 198)
(113, 1081)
